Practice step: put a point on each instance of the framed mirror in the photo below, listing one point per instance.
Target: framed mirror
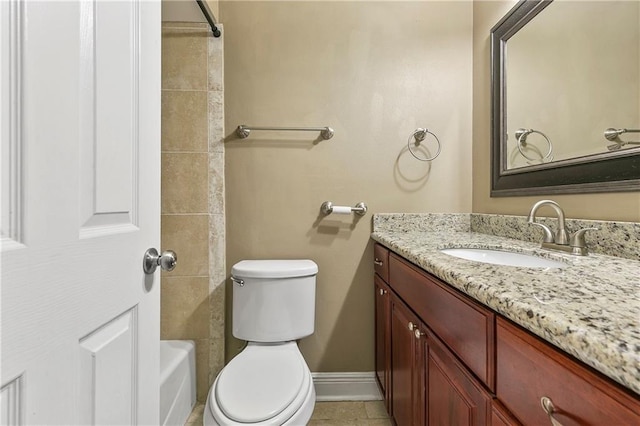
(565, 113)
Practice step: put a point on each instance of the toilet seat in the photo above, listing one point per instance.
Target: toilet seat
(266, 384)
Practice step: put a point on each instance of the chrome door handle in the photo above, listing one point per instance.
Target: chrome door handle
(167, 260)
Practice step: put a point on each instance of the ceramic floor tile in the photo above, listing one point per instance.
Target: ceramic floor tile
(344, 410)
(357, 422)
(375, 422)
(342, 413)
(375, 410)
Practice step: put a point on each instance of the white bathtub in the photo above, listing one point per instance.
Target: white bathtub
(177, 381)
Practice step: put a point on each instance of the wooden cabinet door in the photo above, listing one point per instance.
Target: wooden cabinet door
(465, 326)
(383, 338)
(454, 396)
(406, 371)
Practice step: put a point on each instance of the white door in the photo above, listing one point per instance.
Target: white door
(80, 178)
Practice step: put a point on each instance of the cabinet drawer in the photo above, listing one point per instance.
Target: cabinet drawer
(466, 327)
(381, 261)
(529, 369)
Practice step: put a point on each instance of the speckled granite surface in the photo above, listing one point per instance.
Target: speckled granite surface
(620, 239)
(590, 309)
(419, 222)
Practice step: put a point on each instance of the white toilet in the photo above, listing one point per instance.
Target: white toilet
(269, 382)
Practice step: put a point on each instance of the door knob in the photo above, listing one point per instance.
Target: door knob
(167, 260)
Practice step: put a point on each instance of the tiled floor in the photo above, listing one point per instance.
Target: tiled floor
(346, 413)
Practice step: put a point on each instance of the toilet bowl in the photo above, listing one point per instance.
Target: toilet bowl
(269, 382)
(264, 385)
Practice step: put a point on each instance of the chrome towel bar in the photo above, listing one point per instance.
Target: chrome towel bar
(243, 130)
(612, 134)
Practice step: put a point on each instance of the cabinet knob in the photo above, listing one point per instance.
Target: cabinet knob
(550, 409)
(412, 326)
(418, 333)
(377, 262)
(383, 292)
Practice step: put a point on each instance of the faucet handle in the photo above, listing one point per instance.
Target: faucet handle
(548, 234)
(577, 238)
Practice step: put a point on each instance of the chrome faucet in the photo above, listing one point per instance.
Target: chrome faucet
(561, 240)
(561, 237)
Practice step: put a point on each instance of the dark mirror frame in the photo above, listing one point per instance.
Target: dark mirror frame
(608, 172)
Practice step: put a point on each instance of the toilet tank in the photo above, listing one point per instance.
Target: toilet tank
(273, 300)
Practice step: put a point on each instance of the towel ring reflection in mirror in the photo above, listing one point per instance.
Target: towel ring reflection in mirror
(521, 135)
(419, 135)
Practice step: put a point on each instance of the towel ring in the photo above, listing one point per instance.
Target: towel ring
(419, 135)
(522, 134)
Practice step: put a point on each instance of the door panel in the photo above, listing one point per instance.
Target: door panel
(109, 115)
(11, 147)
(80, 176)
(11, 402)
(105, 397)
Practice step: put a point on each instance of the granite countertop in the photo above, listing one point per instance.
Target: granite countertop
(590, 309)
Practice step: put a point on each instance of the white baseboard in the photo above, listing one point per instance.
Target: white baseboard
(346, 386)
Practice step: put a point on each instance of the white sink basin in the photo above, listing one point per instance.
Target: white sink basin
(506, 258)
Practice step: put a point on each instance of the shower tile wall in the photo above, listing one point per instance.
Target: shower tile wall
(217, 225)
(192, 296)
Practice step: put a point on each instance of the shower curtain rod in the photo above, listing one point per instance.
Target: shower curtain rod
(207, 14)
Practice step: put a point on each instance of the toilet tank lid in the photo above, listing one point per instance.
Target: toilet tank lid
(277, 268)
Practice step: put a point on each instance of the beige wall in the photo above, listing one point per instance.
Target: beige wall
(374, 71)
(612, 206)
(192, 296)
(187, 10)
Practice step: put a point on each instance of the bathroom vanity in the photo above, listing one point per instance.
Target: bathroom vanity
(462, 342)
